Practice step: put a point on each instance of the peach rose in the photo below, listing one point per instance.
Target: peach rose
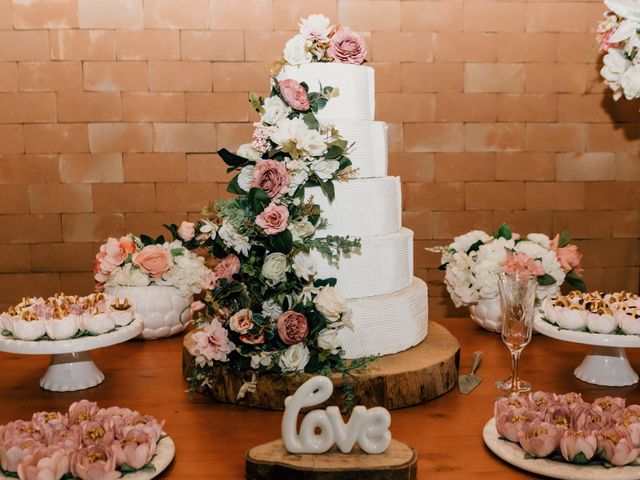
(294, 94)
(187, 231)
(252, 339)
(272, 177)
(292, 327)
(568, 256)
(242, 321)
(347, 47)
(227, 267)
(153, 260)
(116, 251)
(273, 219)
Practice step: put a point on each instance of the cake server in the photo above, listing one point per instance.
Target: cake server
(466, 383)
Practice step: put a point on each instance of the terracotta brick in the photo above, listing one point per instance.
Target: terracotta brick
(153, 107)
(61, 257)
(287, 13)
(14, 258)
(11, 139)
(152, 223)
(525, 166)
(50, 76)
(388, 77)
(491, 195)
(527, 47)
(92, 227)
(82, 45)
(420, 222)
(52, 198)
(190, 197)
(582, 108)
(155, 167)
(555, 137)
(49, 14)
(214, 45)
(110, 13)
(8, 77)
(483, 137)
(465, 167)
(232, 135)
(14, 286)
(554, 196)
(120, 137)
(424, 259)
(56, 138)
(432, 77)
(608, 109)
(612, 279)
(13, 199)
(88, 106)
(129, 197)
(368, 15)
(466, 107)
(217, 107)
(91, 168)
(80, 283)
(147, 44)
(248, 15)
(28, 169)
(451, 224)
(585, 167)
(609, 253)
(466, 47)
(207, 168)
(115, 76)
(627, 167)
(524, 221)
(180, 76)
(577, 48)
(406, 107)
(612, 195)
(259, 45)
(412, 167)
(431, 16)
(555, 78)
(488, 77)
(239, 77)
(433, 196)
(27, 107)
(24, 46)
(583, 224)
(6, 20)
(402, 46)
(192, 137)
(177, 15)
(607, 138)
(494, 17)
(625, 223)
(30, 228)
(527, 108)
(556, 17)
(434, 137)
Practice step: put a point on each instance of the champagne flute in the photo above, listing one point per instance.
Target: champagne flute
(517, 296)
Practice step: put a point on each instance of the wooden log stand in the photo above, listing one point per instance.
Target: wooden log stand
(393, 381)
(271, 461)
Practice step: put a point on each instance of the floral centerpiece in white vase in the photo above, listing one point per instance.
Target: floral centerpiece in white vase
(474, 260)
(158, 277)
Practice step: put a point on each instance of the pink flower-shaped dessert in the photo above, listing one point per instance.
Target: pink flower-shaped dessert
(572, 399)
(347, 46)
(616, 447)
(212, 343)
(294, 94)
(45, 464)
(559, 415)
(540, 401)
(610, 405)
(96, 432)
(272, 177)
(539, 439)
(153, 260)
(135, 449)
(590, 418)
(292, 327)
(273, 219)
(42, 420)
(95, 463)
(144, 423)
(13, 452)
(511, 421)
(82, 411)
(578, 446)
(69, 439)
(227, 267)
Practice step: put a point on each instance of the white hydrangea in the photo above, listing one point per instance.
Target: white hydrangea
(541, 239)
(459, 280)
(245, 177)
(186, 275)
(296, 51)
(630, 82)
(128, 276)
(233, 239)
(462, 243)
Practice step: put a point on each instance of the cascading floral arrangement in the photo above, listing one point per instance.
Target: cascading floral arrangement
(266, 310)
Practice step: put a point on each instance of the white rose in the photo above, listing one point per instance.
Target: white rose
(325, 168)
(275, 110)
(245, 177)
(315, 27)
(301, 229)
(328, 340)
(270, 309)
(294, 358)
(304, 266)
(630, 82)
(245, 151)
(541, 239)
(296, 51)
(274, 267)
(615, 64)
(331, 304)
(233, 239)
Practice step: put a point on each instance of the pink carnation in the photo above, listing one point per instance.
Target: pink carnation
(212, 342)
(347, 47)
(292, 327)
(272, 177)
(273, 219)
(522, 264)
(153, 260)
(227, 267)
(294, 94)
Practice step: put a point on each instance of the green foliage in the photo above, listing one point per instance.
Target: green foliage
(232, 159)
(575, 281)
(258, 200)
(564, 239)
(546, 279)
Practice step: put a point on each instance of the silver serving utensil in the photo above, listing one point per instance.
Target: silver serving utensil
(466, 383)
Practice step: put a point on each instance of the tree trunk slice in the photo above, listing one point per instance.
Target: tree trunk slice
(414, 376)
(271, 461)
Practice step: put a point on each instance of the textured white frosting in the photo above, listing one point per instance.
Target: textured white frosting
(362, 207)
(369, 153)
(388, 323)
(384, 265)
(356, 83)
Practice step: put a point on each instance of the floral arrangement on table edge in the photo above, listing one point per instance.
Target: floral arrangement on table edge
(568, 429)
(85, 443)
(619, 38)
(266, 311)
(474, 260)
(319, 41)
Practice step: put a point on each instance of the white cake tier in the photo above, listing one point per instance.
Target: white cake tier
(356, 100)
(387, 324)
(369, 153)
(362, 207)
(384, 265)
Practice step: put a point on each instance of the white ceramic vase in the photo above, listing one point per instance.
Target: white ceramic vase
(487, 313)
(163, 310)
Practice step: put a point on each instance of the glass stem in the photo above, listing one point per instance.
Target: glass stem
(515, 357)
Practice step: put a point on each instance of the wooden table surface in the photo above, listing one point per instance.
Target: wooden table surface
(211, 439)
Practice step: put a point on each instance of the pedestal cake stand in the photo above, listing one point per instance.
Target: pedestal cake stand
(606, 363)
(71, 366)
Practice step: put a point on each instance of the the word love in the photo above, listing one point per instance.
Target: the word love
(321, 429)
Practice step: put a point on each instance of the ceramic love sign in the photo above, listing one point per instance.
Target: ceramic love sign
(368, 427)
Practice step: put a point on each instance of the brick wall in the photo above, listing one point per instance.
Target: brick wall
(110, 111)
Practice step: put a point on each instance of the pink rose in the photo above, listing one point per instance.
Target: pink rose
(187, 231)
(521, 264)
(616, 447)
(294, 94)
(49, 462)
(227, 267)
(212, 343)
(272, 177)
(273, 219)
(292, 327)
(539, 439)
(95, 462)
(153, 260)
(347, 47)
(576, 442)
(242, 321)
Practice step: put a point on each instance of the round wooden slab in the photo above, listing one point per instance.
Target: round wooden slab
(393, 381)
(271, 461)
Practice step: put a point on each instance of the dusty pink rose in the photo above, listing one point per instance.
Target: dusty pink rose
(136, 448)
(569, 256)
(521, 264)
(187, 231)
(273, 219)
(292, 327)
(616, 447)
(13, 452)
(153, 260)
(294, 94)
(576, 442)
(82, 411)
(539, 439)
(95, 463)
(347, 47)
(242, 321)
(46, 463)
(227, 267)
(272, 177)
(212, 343)
(253, 339)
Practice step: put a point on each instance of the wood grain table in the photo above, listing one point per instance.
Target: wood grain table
(211, 439)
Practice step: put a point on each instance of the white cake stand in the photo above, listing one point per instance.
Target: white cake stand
(71, 366)
(606, 363)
